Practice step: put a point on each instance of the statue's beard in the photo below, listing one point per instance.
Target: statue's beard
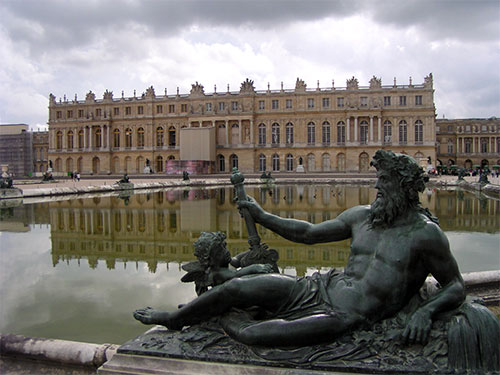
(387, 208)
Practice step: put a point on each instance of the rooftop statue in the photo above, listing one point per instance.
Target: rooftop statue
(395, 245)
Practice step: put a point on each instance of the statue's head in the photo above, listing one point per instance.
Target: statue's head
(210, 249)
(399, 181)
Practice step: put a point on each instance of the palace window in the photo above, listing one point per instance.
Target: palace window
(288, 104)
(98, 112)
(363, 132)
(171, 137)
(262, 134)
(116, 138)
(128, 110)
(59, 114)
(159, 136)
(364, 101)
(233, 160)
(341, 133)
(419, 132)
(234, 106)
(289, 162)
(222, 106)
(403, 132)
(311, 133)
(70, 140)
(208, 107)
(484, 145)
(402, 100)
(116, 111)
(387, 132)
(325, 133)
(275, 134)
(98, 138)
(262, 104)
(276, 162)
(262, 163)
(140, 137)
(289, 133)
(221, 162)
(326, 102)
(450, 147)
(387, 100)
(310, 103)
(128, 137)
(59, 139)
(81, 113)
(275, 104)
(159, 108)
(468, 145)
(80, 138)
(70, 114)
(140, 110)
(184, 108)
(418, 100)
(340, 102)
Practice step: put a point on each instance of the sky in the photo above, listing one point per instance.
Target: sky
(68, 47)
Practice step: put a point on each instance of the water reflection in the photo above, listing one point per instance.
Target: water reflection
(160, 227)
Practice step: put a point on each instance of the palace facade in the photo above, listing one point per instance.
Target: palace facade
(468, 143)
(301, 129)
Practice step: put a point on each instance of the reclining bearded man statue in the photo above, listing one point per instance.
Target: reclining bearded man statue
(395, 245)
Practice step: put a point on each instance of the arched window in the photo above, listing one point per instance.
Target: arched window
(171, 136)
(311, 163)
(276, 162)
(363, 132)
(128, 137)
(325, 133)
(275, 134)
(235, 134)
(403, 132)
(311, 133)
(116, 138)
(59, 140)
(233, 159)
(70, 140)
(325, 161)
(262, 163)
(289, 162)
(289, 133)
(159, 164)
(340, 163)
(140, 137)
(159, 136)
(80, 138)
(387, 132)
(419, 132)
(341, 133)
(98, 137)
(221, 163)
(262, 134)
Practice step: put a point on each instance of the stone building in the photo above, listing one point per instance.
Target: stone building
(311, 130)
(40, 152)
(16, 149)
(468, 142)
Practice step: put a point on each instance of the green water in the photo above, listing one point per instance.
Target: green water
(76, 269)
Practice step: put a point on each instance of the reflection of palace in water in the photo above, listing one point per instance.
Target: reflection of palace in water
(161, 227)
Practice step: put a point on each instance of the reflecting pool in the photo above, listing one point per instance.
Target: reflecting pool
(77, 268)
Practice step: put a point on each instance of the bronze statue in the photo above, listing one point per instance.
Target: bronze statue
(395, 245)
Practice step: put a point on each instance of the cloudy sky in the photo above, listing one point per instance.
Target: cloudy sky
(69, 47)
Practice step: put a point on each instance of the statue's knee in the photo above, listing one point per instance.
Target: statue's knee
(249, 336)
(232, 287)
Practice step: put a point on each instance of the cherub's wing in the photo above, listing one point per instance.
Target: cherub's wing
(195, 272)
(192, 266)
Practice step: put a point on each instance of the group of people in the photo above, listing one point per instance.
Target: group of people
(75, 176)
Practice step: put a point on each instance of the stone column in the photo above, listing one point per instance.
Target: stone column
(240, 132)
(227, 132)
(348, 129)
(380, 135)
(251, 131)
(355, 128)
(371, 129)
(85, 137)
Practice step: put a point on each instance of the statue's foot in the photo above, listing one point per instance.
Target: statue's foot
(148, 315)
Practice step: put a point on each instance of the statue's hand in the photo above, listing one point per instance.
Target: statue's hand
(259, 268)
(251, 205)
(418, 328)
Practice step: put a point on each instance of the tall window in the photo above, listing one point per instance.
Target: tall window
(387, 132)
(262, 134)
(262, 104)
(419, 132)
(171, 136)
(326, 102)
(70, 140)
(289, 162)
(289, 133)
(233, 159)
(402, 100)
(116, 138)
(140, 110)
(275, 104)
(80, 138)
(468, 145)
(288, 104)
(98, 138)
(484, 145)
(208, 107)
(159, 136)
(418, 100)
(450, 147)
(311, 133)
(221, 162)
(403, 132)
(222, 106)
(310, 103)
(262, 163)
(159, 108)
(128, 137)
(276, 162)
(59, 140)
(363, 132)
(234, 106)
(340, 102)
(341, 132)
(325, 133)
(159, 164)
(140, 137)
(387, 100)
(275, 134)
